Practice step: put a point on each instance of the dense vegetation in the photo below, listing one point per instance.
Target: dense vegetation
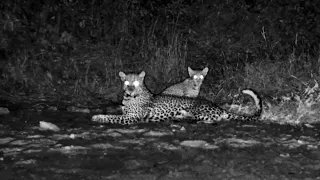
(78, 47)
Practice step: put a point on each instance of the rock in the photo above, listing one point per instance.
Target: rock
(48, 126)
(4, 111)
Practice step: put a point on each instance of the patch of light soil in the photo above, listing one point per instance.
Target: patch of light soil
(106, 146)
(198, 144)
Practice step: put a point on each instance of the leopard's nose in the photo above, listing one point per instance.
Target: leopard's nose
(131, 88)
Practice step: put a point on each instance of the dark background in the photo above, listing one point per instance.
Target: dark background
(76, 48)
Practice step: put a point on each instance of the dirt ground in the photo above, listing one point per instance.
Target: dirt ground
(173, 150)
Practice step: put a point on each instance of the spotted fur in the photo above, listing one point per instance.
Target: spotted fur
(140, 105)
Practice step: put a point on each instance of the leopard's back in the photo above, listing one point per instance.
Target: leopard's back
(166, 107)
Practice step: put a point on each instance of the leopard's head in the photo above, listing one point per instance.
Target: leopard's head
(197, 77)
(132, 83)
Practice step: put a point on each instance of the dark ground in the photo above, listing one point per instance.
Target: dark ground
(84, 150)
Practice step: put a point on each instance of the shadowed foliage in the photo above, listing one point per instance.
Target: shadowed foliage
(76, 48)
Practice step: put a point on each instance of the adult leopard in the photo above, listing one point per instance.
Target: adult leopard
(140, 105)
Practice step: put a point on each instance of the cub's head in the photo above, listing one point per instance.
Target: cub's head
(132, 83)
(197, 77)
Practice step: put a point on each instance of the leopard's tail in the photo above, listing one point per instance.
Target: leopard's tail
(257, 100)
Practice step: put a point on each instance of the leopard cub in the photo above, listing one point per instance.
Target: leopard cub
(190, 87)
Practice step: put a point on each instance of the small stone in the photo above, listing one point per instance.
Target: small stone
(4, 111)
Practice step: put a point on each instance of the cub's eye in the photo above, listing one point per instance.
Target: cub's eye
(136, 83)
(198, 77)
(195, 77)
(126, 83)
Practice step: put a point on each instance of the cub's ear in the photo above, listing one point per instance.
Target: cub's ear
(122, 76)
(205, 71)
(190, 71)
(142, 74)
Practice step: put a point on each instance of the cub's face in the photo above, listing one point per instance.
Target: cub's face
(197, 80)
(197, 77)
(132, 83)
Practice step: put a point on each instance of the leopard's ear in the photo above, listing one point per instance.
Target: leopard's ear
(142, 74)
(205, 71)
(190, 71)
(122, 76)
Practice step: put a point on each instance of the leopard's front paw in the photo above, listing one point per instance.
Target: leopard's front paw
(98, 118)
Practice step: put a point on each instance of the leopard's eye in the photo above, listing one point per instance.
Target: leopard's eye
(126, 83)
(201, 77)
(136, 83)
